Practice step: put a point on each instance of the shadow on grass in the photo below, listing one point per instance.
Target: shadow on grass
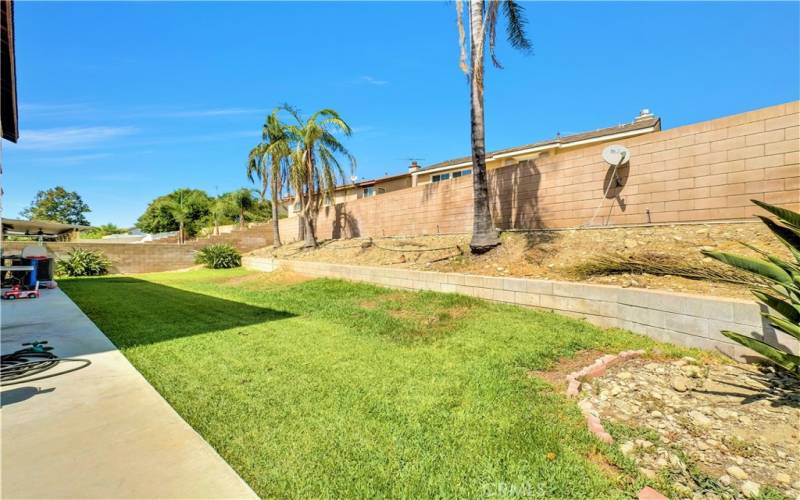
(134, 312)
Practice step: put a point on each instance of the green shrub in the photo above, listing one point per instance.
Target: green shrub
(784, 285)
(219, 256)
(80, 262)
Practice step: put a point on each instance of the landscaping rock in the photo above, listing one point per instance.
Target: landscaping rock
(737, 472)
(679, 384)
(750, 489)
(692, 371)
(648, 493)
(627, 448)
(699, 419)
(733, 422)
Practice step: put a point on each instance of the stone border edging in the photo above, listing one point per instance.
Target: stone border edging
(596, 369)
(593, 423)
(677, 318)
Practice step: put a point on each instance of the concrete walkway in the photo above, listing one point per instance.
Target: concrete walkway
(100, 432)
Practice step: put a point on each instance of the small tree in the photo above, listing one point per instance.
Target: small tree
(242, 200)
(59, 205)
(102, 230)
(159, 216)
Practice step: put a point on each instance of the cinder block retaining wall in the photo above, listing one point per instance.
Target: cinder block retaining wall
(125, 257)
(682, 319)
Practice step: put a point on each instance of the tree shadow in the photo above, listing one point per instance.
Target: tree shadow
(344, 224)
(514, 194)
(138, 312)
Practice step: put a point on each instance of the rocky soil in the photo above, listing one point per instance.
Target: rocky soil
(555, 254)
(738, 424)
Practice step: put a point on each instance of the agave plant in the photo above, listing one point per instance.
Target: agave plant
(783, 277)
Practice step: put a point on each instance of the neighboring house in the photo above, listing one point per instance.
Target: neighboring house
(450, 169)
(356, 191)
(416, 175)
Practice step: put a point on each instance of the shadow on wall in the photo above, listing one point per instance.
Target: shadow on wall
(613, 184)
(129, 323)
(514, 192)
(344, 224)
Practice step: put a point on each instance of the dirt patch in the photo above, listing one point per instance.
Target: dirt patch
(389, 297)
(555, 255)
(275, 278)
(739, 425)
(557, 374)
(604, 464)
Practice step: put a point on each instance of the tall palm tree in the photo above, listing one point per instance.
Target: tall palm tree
(269, 162)
(314, 162)
(482, 17)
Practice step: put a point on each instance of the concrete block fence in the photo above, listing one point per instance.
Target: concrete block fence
(681, 319)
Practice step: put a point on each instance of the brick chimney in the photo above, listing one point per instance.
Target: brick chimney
(414, 167)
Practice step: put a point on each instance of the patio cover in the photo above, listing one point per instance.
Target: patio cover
(44, 228)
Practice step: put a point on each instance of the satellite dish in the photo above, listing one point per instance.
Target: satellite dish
(616, 155)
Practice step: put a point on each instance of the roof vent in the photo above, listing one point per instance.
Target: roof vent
(644, 114)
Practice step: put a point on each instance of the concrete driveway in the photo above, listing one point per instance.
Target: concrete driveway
(100, 432)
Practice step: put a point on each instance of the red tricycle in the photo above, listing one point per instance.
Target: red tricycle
(17, 292)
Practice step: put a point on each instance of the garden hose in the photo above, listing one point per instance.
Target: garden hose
(27, 364)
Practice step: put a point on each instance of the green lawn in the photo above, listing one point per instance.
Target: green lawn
(327, 388)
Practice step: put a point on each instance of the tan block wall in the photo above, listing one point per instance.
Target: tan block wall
(125, 257)
(700, 172)
(444, 207)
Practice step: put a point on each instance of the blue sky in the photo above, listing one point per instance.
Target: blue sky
(123, 102)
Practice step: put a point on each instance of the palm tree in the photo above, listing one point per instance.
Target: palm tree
(484, 234)
(269, 162)
(242, 200)
(314, 162)
(181, 210)
(219, 207)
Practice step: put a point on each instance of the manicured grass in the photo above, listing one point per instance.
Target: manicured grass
(332, 389)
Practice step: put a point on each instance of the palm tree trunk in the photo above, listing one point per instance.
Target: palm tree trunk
(216, 226)
(276, 227)
(310, 239)
(241, 218)
(180, 233)
(484, 235)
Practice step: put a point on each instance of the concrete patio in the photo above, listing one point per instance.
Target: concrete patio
(99, 432)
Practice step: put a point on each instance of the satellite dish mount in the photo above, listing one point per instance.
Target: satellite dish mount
(616, 156)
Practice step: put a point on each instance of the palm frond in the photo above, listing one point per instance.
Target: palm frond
(515, 29)
(462, 61)
(491, 21)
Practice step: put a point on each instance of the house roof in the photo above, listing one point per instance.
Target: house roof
(640, 124)
(8, 73)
